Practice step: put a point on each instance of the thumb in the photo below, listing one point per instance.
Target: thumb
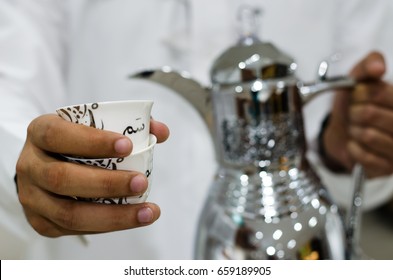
(373, 66)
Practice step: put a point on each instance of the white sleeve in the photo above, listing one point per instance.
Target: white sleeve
(361, 27)
(32, 55)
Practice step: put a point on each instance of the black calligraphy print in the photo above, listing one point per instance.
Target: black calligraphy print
(133, 129)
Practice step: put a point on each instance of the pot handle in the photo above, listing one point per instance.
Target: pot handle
(309, 91)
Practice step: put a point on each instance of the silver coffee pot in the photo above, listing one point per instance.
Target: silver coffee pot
(266, 201)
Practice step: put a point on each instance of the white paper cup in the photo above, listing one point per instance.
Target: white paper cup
(141, 161)
(129, 117)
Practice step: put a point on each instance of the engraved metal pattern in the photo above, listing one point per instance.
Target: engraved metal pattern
(270, 141)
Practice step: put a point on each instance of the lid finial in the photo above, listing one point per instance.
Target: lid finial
(249, 18)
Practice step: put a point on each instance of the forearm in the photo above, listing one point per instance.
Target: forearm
(330, 161)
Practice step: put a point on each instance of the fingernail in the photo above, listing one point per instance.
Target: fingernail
(123, 146)
(145, 215)
(378, 64)
(138, 184)
(376, 68)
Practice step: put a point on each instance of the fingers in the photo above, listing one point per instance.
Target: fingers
(70, 217)
(373, 66)
(374, 141)
(160, 130)
(374, 164)
(371, 88)
(85, 181)
(379, 93)
(70, 179)
(365, 117)
(372, 138)
(94, 217)
(369, 115)
(52, 133)
(52, 215)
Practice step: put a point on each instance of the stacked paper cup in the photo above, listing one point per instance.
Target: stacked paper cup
(130, 118)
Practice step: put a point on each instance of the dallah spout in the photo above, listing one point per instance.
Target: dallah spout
(196, 94)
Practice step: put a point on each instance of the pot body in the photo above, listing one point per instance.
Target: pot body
(291, 219)
(266, 201)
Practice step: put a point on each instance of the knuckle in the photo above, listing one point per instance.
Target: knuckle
(31, 128)
(43, 132)
(24, 199)
(24, 161)
(56, 177)
(66, 216)
(40, 226)
(370, 114)
(108, 184)
(46, 134)
(368, 137)
(21, 166)
(25, 196)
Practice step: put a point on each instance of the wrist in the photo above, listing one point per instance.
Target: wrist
(329, 161)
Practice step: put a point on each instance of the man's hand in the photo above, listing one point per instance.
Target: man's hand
(47, 184)
(361, 122)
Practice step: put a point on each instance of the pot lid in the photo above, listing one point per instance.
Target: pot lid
(251, 59)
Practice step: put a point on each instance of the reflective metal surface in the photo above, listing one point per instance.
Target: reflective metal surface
(266, 201)
(355, 216)
(274, 214)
